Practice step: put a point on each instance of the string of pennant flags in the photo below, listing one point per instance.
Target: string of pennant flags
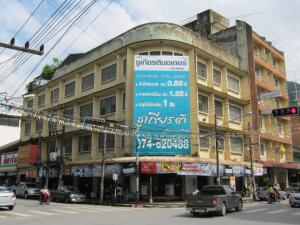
(72, 123)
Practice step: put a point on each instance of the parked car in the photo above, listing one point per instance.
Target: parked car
(214, 198)
(295, 198)
(262, 193)
(290, 190)
(26, 190)
(67, 194)
(7, 198)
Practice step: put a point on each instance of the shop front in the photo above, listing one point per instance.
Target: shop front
(28, 156)
(8, 168)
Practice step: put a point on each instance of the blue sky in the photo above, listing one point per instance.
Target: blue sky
(275, 19)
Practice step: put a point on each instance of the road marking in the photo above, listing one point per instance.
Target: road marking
(63, 211)
(3, 217)
(20, 214)
(254, 210)
(41, 212)
(80, 210)
(296, 214)
(277, 211)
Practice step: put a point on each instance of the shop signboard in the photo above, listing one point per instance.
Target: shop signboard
(149, 167)
(200, 169)
(238, 170)
(109, 170)
(169, 167)
(22, 156)
(258, 171)
(9, 159)
(247, 171)
(82, 171)
(129, 171)
(228, 171)
(162, 103)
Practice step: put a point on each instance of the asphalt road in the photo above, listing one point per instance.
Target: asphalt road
(30, 212)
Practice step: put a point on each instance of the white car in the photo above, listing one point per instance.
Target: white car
(7, 198)
(295, 198)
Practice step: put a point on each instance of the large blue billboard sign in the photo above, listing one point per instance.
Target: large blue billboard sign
(162, 105)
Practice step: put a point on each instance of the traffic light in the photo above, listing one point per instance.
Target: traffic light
(285, 111)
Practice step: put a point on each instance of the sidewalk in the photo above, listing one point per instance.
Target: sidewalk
(172, 204)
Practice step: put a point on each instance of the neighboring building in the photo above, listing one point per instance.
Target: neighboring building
(103, 83)
(266, 66)
(8, 163)
(294, 99)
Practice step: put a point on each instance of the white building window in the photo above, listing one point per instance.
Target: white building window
(217, 75)
(41, 101)
(262, 149)
(39, 126)
(236, 144)
(110, 141)
(70, 89)
(235, 113)
(109, 73)
(54, 96)
(87, 82)
(86, 111)
(27, 128)
(203, 103)
(108, 105)
(84, 144)
(219, 108)
(202, 70)
(204, 138)
(221, 141)
(233, 83)
(257, 73)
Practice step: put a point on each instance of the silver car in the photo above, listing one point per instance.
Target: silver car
(262, 193)
(7, 198)
(295, 198)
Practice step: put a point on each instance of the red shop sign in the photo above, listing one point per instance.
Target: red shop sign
(148, 167)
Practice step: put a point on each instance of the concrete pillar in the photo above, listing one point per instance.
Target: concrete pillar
(193, 103)
(75, 181)
(119, 68)
(61, 91)
(95, 187)
(118, 117)
(77, 85)
(210, 81)
(129, 97)
(74, 148)
(94, 146)
(77, 112)
(224, 79)
(47, 97)
(97, 80)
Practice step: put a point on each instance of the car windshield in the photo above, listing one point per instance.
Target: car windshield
(212, 191)
(297, 190)
(70, 188)
(31, 185)
(3, 189)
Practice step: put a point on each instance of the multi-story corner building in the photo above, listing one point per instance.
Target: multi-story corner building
(294, 100)
(212, 77)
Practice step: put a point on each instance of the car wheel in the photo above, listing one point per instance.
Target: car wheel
(223, 210)
(25, 195)
(239, 206)
(11, 207)
(66, 200)
(195, 213)
(292, 205)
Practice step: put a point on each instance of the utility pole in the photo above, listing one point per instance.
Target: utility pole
(103, 168)
(251, 162)
(137, 168)
(217, 150)
(23, 49)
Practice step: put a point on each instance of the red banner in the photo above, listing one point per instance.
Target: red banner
(148, 167)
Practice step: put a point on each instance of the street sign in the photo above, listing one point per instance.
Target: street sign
(115, 176)
(272, 94)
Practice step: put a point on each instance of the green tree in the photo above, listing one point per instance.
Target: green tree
(49, 70)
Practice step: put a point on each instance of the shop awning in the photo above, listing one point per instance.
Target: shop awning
(165, 159)
(285, 165)
(4, 169)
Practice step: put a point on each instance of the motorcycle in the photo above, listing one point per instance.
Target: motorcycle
(45, 199)
(272, 198)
